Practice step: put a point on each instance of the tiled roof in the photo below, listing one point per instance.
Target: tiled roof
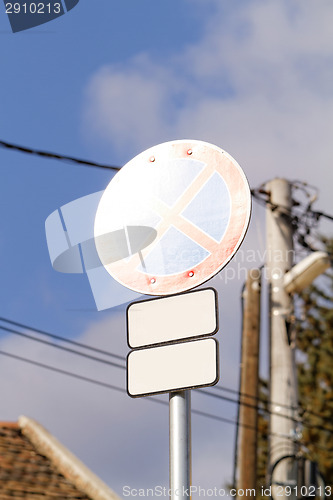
(34, 465)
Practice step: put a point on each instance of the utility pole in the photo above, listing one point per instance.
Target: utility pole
(248, 413)
(283, 381)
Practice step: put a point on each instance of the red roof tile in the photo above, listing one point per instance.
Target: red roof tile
(27, 472)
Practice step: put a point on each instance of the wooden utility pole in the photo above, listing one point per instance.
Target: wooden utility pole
(248, 414)
(283, 381)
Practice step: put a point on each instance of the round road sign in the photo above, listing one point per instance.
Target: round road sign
(197, 200)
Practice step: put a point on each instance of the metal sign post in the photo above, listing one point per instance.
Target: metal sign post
(174, 331)
(180, 444)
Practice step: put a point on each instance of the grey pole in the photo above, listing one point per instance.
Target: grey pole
(180, 444)
(283, 380)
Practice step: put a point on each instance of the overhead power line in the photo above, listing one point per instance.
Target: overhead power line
(94, 358)
(100, 360)
(63, 348)
(230, 400)
(120, 389)
(270, 412)
(301, 217)
(255, 398)
(106, 385)
(63, 339)
(249, 405)
(256, 193)
(122, 358)
(323, 214)
(101, 351)
(60, 370)
(55, 156)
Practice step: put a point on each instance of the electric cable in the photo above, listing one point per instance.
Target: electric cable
(249, 405)
(323, 214)
(94, 358)
(120, 389)
(60, 370)
(295, 420)
(283, 210)
(55, 156)
(57, 346)
(256, 398)
(29, 337)
(302, 218)
(100, 360)
(256, 193)
(123, 358)
(63, 339)
(104, 384)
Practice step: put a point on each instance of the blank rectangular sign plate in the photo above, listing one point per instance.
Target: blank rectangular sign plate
(172, 367)
(173, 318)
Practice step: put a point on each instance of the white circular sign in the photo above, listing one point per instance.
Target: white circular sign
(195, 198)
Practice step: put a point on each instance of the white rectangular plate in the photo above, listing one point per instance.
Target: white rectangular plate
(172, 367)
(173, 318)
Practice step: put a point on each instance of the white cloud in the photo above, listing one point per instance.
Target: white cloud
(258, 84)
(125, 101)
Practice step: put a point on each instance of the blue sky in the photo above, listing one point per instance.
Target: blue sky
(105, 82)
